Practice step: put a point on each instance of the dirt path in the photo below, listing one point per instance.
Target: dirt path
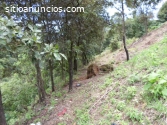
(81, 95)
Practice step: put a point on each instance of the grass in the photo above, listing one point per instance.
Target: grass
(127, 103)
(118, 97)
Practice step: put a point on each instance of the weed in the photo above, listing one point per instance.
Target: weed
(133, 79)
(82, 117)
(53, 102)
(106, 83)
(113, 100)
(124, 123)
(134, 114)
(159, 106)
(29, 114)
(61, 123)
(117, 116)
(104, 122)
(131, 91)
(121, 105)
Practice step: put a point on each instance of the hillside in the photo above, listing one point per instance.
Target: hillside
(119, 96)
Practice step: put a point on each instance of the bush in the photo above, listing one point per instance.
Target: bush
(114, 45)
(156, 85)
(17, 93)
(131, 40)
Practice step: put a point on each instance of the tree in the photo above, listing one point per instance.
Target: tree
(122, 5)
(8, 42)
(162, 14)
(143, 9)
(2, 114)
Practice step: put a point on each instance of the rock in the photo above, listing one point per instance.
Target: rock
(92, 70)
(38, 123)
(78, 85)
(106, 67)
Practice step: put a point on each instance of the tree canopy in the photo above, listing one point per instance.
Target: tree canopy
(162, 14)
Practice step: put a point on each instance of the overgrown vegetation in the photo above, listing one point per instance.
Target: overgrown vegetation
(40, 53)
(142, 92)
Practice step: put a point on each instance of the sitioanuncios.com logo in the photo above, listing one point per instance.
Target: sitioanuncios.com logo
(36, 9)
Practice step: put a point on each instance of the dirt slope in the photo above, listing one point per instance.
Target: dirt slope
(81, 95)
(143, 43)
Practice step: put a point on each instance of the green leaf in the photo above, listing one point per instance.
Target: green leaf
(164, 91)
(63, 56)
(153, 77)
(162, 81)
(31, 28)
(57, 56)
(2, 41)
(37, 55)
(11, 23)
(37, 31)
(147, 86)
(42, 53)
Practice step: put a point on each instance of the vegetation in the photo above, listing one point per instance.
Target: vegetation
(42, 53)
(162, 14)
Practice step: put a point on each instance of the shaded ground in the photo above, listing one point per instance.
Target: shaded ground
(87, 93)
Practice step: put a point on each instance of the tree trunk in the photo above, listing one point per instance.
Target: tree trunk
(2, 113)
(71, 66)
(84, 59)
(40, 84)
(123, 28)
(75, 62)
(62, 69)
(146, 24)
(51, 75)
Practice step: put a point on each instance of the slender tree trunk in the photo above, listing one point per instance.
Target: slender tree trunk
(2, 113)
(40, 84)
(51, 75)
(71, 66)
(84, 59)
(75, 62)
(146, 24)
(123, 27)
(62, 70)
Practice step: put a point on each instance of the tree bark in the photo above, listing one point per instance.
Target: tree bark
(75, 62)
(123, 27)
(40, 84)
(84, 59)
(71, 67)
(2, 113)
(51, 75)
(62, 69)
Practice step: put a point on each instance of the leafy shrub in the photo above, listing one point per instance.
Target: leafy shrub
(131, 40)
(154, 24)
(156, 85)
(114, 45)
(17, 93)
